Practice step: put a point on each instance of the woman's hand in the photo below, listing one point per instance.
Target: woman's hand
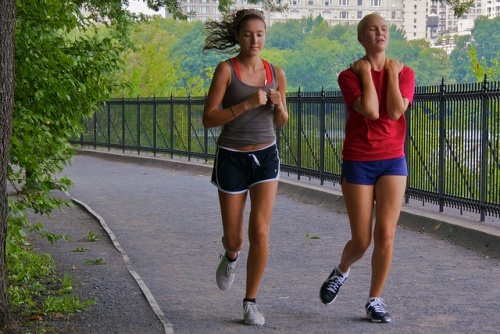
(275, 97)
(257, 99)
(360, 66)
(393, 66)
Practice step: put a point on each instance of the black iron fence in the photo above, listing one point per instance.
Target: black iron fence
(452, 143)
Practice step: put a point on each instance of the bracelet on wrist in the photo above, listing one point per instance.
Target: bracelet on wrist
(232, 110)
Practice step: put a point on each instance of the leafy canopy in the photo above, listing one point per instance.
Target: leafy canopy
(63, 67)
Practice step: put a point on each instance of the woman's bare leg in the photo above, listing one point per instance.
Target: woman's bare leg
(262, 198)
(359, 204)
(232, 208)
(389, 192)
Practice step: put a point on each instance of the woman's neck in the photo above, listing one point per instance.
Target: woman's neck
(250, 63)
(377, 61)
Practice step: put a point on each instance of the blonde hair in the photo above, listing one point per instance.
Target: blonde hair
(364, 20)
(221, 34)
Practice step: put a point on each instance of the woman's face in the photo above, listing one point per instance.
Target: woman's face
(252, 36)
(375, 35)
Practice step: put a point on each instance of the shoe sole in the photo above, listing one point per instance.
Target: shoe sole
(368, 317)
(255, 324)
(224, 288)
(328, 303)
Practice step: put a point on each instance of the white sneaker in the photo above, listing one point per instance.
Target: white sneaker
(225, 272)
(253, 314)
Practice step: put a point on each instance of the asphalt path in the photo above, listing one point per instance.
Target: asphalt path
(166, 218)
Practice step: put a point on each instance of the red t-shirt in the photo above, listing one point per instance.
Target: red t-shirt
(380, 139)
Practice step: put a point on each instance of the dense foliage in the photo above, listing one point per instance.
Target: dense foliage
(60, 78)
(63, 67)
(311, 53)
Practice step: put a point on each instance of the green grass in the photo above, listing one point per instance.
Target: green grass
(91, 237)
(37, 290)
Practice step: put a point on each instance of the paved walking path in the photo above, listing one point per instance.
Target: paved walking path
(165, 216)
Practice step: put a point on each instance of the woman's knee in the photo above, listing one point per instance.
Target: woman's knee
(258, 236)
(384, 238)
(234, 244)
(360, 246)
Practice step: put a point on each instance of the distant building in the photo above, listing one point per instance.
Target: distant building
(419, 19)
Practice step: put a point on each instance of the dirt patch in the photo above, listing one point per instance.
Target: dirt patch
(99, 274)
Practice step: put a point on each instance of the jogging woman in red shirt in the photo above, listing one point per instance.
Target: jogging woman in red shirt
(377, 91)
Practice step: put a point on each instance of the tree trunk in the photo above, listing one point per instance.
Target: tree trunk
(6, 112)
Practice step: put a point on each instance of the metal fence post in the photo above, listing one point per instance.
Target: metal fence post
(205, 139)
(171, 126)
(155, 124)
(484, 148)
(442, 148)
(108, 111)
(322, 137)
(123, 124)
(299, 133)
(138, 115)
(95, 130)
(189, 126)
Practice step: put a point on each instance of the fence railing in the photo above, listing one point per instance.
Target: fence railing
(452, 143)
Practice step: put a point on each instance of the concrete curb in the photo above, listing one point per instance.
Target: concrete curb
(167, 326)
(481, 238)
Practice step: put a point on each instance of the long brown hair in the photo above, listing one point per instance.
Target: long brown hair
(221, 34)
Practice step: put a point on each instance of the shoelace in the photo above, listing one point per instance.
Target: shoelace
(252, 308)
(378, 305)
(334, 284)
(229, 269)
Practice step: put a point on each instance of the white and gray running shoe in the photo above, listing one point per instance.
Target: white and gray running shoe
(225, 272)
(253, 314)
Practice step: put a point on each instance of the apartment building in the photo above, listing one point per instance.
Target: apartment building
(444, 20)
(420, 19)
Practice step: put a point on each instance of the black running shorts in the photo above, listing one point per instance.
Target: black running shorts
(236, 171)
